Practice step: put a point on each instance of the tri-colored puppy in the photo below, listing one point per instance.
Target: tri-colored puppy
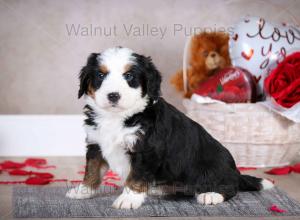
(137, 134)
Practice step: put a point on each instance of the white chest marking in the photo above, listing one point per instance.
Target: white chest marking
(114, 140)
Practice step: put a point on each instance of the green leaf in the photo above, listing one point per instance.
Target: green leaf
(219, 88)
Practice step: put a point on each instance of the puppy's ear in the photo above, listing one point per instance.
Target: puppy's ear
(152, 76)
(86, 74)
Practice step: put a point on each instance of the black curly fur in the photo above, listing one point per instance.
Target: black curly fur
(152, 77)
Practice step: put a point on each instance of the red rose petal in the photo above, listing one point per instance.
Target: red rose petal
(111, 173)
(37, 181)
(280, 171)
(111, 178)
(38, 163)
(296, 168)
(19, 172)
(43, 175)
(110, 184)
(246, 168)
(274, 208)
(35, 161)
(11, 165)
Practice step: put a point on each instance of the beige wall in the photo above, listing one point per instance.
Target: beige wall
(40, 61)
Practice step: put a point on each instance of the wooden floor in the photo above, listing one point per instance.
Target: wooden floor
(68, 167)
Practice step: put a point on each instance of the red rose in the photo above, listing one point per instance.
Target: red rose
(283, 83)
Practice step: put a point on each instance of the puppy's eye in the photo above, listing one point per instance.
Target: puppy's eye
(102, 75)
(128, 76)
(205, 53)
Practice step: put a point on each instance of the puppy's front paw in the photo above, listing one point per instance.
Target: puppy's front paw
(210, 198)
(81, 192)
(129, 199)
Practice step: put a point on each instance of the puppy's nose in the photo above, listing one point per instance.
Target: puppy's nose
(113, 97)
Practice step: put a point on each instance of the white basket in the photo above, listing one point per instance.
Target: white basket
(255, 136)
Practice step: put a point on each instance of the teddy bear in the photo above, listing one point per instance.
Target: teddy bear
(208, 54)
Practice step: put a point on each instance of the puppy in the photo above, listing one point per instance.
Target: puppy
(132, 130)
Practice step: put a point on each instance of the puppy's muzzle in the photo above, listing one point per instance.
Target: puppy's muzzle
(113, 97)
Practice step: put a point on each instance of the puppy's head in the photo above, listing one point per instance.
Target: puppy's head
(119, 80)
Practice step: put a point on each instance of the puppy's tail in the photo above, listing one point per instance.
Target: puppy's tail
(251, 183)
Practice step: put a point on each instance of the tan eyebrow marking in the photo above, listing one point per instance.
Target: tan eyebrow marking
(103, 69)
(127, 68)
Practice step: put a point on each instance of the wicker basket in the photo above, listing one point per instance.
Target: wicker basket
(255, 136)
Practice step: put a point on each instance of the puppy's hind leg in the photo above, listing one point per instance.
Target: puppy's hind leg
(210, 198)
(95, 169)
(216, 195)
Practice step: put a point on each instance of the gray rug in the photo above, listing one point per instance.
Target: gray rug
(50, 202)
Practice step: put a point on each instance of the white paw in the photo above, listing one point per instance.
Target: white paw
(81, 192)
(210, 198)
(129, 199)
(266, 184)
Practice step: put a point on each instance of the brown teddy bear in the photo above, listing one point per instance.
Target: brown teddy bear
(208, 53)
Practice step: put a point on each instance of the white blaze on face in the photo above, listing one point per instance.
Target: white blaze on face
(116, 60)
